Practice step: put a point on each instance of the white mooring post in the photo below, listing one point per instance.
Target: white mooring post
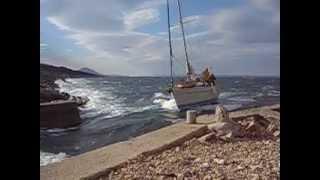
(191, 117)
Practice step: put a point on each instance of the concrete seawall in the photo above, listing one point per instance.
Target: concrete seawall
(60, 114)
(99, 162)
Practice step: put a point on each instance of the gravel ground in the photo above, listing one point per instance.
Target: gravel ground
(253, 155)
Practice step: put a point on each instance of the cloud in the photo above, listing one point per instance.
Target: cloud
(58, 22)
(142, 17)
(43, 44)
(226, 38)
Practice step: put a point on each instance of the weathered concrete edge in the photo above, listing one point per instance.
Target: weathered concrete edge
(194, 134)
(258, 111)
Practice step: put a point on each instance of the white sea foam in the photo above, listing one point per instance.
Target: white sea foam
(168, 104)
(242, 99)
(267, 87)
(259, 95)
(227, 94)
(59, 130)
(161, 95)
(48, 158)
(100, 100)
(231, 107)
(274, 93)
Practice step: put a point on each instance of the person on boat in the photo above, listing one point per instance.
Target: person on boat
(208, 77)
(205, 75)
(212, 79)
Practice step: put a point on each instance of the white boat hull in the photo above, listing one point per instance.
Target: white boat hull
(187, 97)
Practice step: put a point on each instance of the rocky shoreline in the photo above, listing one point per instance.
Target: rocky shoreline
(237, 148)
(59, 109)
(49, 74)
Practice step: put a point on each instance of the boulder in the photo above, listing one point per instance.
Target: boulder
(225, 128)
(47, 95)
(254, 126)
(221, 114)
(80, 100)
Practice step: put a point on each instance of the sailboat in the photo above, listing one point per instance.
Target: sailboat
(194, 89)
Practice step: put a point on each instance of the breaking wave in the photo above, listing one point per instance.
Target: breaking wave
(165, 101)
(101, 99)
(48, 158)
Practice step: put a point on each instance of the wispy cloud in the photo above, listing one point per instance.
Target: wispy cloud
(141, 17)
(226, 38)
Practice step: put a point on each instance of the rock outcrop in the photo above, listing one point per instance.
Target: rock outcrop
(59, 109)
(60, 114)
(49, 74)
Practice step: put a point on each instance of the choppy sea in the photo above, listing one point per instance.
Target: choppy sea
(124, 107)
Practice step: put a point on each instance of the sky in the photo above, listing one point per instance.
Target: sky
(129, 37)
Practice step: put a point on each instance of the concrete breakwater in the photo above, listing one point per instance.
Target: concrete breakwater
(59, 114)
(100, 162)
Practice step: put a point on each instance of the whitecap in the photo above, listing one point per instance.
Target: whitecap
(227, 94)
(59, 130)
(161, 95)
(167, 104)
(101, 101)
(267, 87)
(231, 107)
(48, 158)
(274, 93)
(242, 99)
(259, 95)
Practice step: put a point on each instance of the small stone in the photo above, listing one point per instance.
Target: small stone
(271, 127)
(205, 165)
(207, 177)
(240, 167)
(254, 176)
(187, 173)
(179, 176)
(197, 160)
(219, 161)
(276, 133)
(177, 149)
(229, 135)
(254, 167)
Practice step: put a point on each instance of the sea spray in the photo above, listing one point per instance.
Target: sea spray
(48, 158)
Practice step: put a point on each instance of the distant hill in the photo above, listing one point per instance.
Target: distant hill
(49, 73)
(90, 71)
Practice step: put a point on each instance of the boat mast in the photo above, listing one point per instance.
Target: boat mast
(189, 69)
(169, 33)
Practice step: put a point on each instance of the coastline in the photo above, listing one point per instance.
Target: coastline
(113, 158)
(59, 109)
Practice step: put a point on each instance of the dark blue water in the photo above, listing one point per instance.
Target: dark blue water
(125, 107)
